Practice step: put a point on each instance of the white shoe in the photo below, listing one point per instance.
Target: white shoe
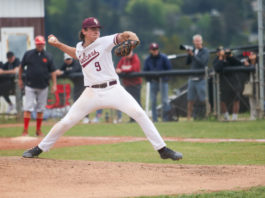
(226, 116)
(252, 118)
(115, 121)
(86, 120)
(234, 117)
(10, 108)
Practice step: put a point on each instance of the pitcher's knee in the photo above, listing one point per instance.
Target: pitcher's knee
(65, 123)
(138, 114)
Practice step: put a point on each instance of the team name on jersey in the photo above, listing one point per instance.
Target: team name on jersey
(86, 59)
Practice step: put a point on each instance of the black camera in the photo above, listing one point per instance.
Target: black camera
(186, 47)
(228, 52)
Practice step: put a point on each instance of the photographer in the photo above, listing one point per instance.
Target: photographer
(198, 58)
(230, 83)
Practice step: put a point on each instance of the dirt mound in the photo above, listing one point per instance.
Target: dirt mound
(46, 178)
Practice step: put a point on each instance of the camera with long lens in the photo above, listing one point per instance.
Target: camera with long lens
(228, 52)
(185, 47)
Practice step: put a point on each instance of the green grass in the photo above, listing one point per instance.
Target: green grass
(226, 153)
(200, 129)
(194, 153)
(256, 192)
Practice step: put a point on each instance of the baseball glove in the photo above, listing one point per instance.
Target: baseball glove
(124, 48)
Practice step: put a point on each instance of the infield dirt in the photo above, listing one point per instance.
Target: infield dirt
(47, 178)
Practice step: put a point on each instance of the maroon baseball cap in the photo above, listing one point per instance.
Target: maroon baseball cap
(153, 46)
(91, 22)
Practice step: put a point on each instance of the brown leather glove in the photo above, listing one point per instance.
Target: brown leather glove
(124, 48)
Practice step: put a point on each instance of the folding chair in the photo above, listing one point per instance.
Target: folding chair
(60, 104)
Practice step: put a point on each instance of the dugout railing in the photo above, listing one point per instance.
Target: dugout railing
(212, 84)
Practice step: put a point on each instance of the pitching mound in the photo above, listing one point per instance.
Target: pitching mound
(46, 178)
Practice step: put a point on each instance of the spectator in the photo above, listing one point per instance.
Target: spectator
(252, 61)
(128, 64)
(97, 116)
(198, 58)
(157, 61)
(37, 64)
(230, 83)
(8, 83)
(71, 66)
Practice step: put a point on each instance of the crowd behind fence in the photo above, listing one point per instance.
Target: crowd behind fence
(212, 106)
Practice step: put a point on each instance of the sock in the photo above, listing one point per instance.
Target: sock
(39, 121)
(26, 124)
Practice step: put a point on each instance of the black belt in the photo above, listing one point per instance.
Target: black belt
(104, 85)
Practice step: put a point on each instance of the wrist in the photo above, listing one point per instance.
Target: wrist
(59, 45)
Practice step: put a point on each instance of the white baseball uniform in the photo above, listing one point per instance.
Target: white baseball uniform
(98, 71)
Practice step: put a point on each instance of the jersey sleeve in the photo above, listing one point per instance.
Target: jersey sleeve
(109, 41)
(78, 46)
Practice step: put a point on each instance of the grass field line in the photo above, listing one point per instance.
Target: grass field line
(135, 139)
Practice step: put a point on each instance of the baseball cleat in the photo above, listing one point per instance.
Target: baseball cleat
(166, 153)
(39, 133)
(25, 133)
(34, 152)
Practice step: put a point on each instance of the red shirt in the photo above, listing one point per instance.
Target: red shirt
(127, 65)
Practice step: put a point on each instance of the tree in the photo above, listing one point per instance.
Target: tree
(216, 34)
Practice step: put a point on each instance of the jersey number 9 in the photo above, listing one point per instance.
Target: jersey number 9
(97, 65)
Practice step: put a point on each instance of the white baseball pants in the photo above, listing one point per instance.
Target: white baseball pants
(115, 97)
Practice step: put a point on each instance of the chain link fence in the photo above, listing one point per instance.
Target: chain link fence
(249, 101)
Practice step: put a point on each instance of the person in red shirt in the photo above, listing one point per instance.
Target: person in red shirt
(128, 64)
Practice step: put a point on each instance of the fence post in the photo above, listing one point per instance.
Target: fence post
(207, 106)
(261, 66)
(161, 94)
(253, 108)
(218, 95)
(19, 98)
(256, 84)
(147, 98)
(214, 95)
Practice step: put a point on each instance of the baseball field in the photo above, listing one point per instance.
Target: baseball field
(221, 159)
